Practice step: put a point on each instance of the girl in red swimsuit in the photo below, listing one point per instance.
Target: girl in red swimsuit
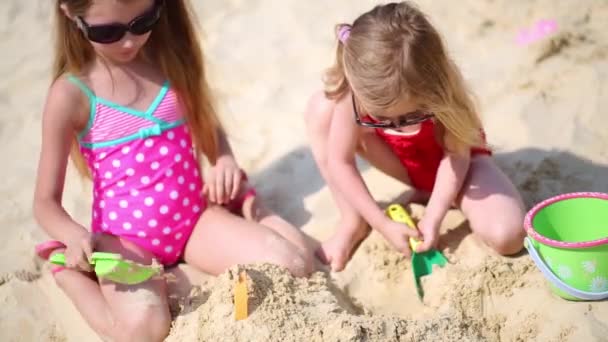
(397, 99)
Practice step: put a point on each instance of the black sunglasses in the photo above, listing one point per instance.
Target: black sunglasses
(112, 33)
(408, 119)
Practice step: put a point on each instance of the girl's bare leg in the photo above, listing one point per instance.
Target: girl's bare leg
(254, 210)
(493, 206)
(84, 291)
(120, 312)
(222, 239)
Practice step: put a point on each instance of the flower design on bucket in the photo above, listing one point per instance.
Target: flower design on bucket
(589, 266)
(564, 272)
(599, 284)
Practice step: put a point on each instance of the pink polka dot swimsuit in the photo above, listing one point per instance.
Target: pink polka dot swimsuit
(147, 185)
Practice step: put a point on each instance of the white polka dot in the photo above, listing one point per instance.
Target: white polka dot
(103, 184)
(145, 180)
(108, 175)
(127, 226)
(177, 217)
(186, 165)
(126, 150)
(155, 165)
(196, 209)
(178, 158)
(166, 230)
(121, 184)
(104, 226)
(168, 249)
(134, 192)
(113, 216)
(130, 172)
(123, 204)
(164, 150)
(181, 180)
(159, 187)
(102, 204)
(178, 236)
(169, 173)
(142, 234)
(140, 157)
(155, 242)
(102, 155)
(186, 202)
(110, 193)
(183, 143)
(96, 165)
(149, 143)
(152, 223)
(192, 186)
(171, 135)
(174, 195)
(164, 209)
(149, 201)
(137, 214)
(188, 222)
(95, 214)
(116, 163)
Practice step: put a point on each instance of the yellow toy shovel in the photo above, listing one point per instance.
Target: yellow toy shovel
(422, 263)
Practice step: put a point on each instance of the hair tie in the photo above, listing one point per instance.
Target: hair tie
(344, 33)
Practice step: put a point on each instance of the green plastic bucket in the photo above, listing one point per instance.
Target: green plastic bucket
(568, 241)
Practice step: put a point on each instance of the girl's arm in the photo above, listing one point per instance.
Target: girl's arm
(63, 114)
(451, 174)
(224, 145)
(344, 137)
(224, 179)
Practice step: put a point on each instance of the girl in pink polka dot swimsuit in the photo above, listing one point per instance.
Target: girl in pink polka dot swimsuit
(131, 105)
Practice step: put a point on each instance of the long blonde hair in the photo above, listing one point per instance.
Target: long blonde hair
(173, 45)
(392, 52)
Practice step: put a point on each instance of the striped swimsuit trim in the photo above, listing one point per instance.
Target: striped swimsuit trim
(105, 116)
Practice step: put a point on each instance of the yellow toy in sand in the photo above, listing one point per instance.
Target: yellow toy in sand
(398, 214)
(422, 263)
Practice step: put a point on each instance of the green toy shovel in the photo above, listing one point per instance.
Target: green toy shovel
(113, 267)
(422, 263)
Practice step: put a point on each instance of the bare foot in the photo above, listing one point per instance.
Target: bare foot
(338, 250)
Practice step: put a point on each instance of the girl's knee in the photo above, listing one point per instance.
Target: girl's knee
(146, 325)
(295, 262)
(299, 266)
(507, 239)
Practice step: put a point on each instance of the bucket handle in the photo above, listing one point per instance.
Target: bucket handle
(584, 295)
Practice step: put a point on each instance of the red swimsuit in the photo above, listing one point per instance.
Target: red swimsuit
(420, 153)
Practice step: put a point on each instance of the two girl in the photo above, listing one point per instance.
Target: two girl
(131, 105)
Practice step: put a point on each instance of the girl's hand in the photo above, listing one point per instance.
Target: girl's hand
(430, 234)
(79, 250)
(398, 235)
(223, 181)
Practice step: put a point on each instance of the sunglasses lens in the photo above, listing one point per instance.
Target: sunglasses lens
(106, 34)
(146, 22)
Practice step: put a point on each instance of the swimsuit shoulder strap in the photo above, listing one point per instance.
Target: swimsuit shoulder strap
(85, 89)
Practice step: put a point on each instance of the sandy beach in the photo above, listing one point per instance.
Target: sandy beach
(544, 109)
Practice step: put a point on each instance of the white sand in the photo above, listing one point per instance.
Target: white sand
(544, 107)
